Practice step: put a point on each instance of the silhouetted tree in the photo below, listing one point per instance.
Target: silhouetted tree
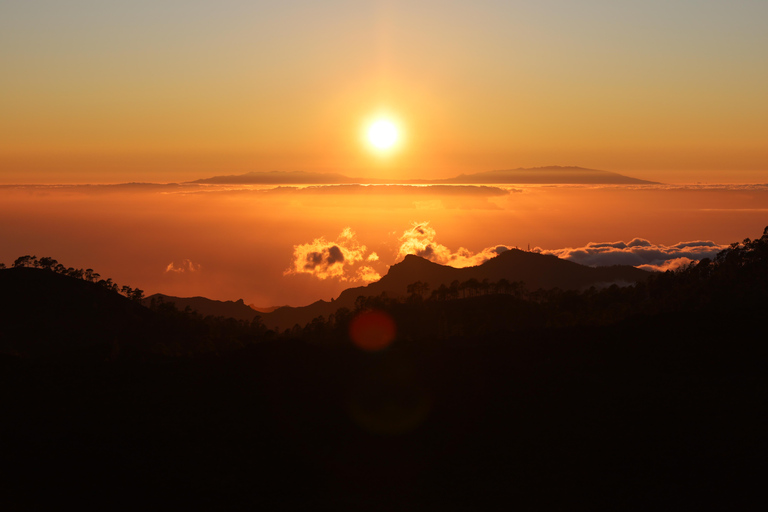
(75, 272)
(454, 289)
(417, 289)
(342, 317)
(47, 263)
(24, 261)
(360, 303)
(503, 286)
(108, 284)
(471, 287)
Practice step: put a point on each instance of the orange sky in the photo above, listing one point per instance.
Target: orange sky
(175, 91)
(239, 244)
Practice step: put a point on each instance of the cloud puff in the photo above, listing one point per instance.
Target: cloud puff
(185, 266)
(420, 241)
(638, 253)
(367, 274)
(324, 259)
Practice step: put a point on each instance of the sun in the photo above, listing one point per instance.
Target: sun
(383, 134)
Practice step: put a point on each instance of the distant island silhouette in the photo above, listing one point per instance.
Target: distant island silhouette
(565, 175)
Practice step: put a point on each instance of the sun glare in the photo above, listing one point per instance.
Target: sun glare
(382, 134)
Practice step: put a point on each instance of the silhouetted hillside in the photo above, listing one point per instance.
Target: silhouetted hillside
(534, 270)
(231, 309)
(43, 312)
(645, 397)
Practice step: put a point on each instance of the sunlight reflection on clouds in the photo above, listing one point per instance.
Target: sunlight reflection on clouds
(419, 240)
(324, 259)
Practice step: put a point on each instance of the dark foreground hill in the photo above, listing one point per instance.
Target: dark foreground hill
(43, 312)
(649, 397)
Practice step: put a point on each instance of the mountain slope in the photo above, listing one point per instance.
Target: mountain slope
(42, 313)
(231, 309)
(535, 270)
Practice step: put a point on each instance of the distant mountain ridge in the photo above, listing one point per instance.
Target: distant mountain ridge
(535, 270)
(233, 309)
(536, 175)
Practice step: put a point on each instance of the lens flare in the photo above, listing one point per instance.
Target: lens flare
(372, 330)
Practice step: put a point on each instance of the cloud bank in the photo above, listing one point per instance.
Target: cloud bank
(420, 241)
(639, 253)
(346, 259)
(334, 260)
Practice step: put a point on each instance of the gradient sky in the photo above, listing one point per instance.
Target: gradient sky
(228, 244)
(166, 90)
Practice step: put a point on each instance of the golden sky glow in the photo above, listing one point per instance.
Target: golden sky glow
(177, 90)
(167, 91)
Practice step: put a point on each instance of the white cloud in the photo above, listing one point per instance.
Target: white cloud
(420, 241)
(639, 253)
(325, 260)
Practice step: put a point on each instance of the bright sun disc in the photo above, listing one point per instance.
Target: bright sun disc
(382, 134)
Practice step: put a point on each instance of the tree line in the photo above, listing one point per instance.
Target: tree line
(736, 278)
(88, 274)
(469, 288)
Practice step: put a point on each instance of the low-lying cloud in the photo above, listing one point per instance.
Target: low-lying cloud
(420, 241)
(346, 259)
(186, 265)
(639, 253)
(337, 259)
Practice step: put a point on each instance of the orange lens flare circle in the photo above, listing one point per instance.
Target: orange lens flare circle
(372, 330)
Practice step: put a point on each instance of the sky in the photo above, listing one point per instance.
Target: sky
(95, 94)
(291, 245)
(170, 91)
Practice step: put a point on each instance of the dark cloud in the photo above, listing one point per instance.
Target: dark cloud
(335, 255)
(339, 259)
